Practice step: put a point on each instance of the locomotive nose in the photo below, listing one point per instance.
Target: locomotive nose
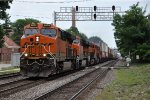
(38, 45)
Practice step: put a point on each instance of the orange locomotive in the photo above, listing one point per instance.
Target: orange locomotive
(46, 50)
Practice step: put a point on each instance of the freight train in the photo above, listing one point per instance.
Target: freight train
(47, 50)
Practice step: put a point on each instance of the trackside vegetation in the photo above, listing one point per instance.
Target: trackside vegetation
(4, 5)
(8, 70)
(130, 84)
(74, 31)
(132, 33)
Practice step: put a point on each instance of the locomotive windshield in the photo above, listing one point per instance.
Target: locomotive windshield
(31, 31)
(49, 32)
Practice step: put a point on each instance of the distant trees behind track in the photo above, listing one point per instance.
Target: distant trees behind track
(4, 5)
(132, 33)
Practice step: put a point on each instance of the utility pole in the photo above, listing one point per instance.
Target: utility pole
(73, 17)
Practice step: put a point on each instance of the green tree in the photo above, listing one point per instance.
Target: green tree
(74, 31)
(132, 32)
(95, 39)
(1, 36)
(7, 21)
(7, 25)
(3, 15)
(18, 26)
(3, 6)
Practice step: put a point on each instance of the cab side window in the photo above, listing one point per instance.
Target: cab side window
(63, 35)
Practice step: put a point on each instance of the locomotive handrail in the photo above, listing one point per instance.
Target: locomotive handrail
(25, 50)
(51, 55)
(49, 52)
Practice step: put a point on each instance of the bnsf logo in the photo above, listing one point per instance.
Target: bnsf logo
(26, 44)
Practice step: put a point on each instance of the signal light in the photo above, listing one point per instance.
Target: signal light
(95, 8)
(113, 7)
(76, 8)
(95, 16)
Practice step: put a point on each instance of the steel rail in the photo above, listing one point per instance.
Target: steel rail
(48, 92)
(25, 85)
(9, 75)
(74, 97)
(100, 75)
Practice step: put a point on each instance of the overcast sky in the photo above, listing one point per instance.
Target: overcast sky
(44, 12)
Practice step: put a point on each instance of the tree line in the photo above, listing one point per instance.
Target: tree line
(4, 5)
(132, 33)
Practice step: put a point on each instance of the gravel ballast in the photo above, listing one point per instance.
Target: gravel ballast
(12, 79)
(48, 86)
(97, 89)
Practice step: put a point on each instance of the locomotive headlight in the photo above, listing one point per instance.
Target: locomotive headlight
(44, 55)
(26, 54)
(37, 38)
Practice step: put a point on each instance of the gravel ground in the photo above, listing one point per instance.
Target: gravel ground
(66, 92)
(97, 89)
(12, 79)
(47, 86)
(120, 63)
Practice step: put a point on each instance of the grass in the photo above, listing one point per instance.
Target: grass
(130, 84)
(8, 70)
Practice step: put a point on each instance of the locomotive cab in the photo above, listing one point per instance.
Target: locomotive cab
(80, 55)
(38, 50)
(45, 50)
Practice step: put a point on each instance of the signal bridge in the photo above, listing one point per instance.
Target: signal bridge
(86, 14)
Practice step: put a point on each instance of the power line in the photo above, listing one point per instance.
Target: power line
(31, 16)
(73, 1)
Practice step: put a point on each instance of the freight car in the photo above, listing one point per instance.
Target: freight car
(47, 49)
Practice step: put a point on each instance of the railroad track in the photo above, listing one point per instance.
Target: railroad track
(111, 64)
(4, 76)
(16, 86)
(103, 73)
(74, 89)
(23, 84)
